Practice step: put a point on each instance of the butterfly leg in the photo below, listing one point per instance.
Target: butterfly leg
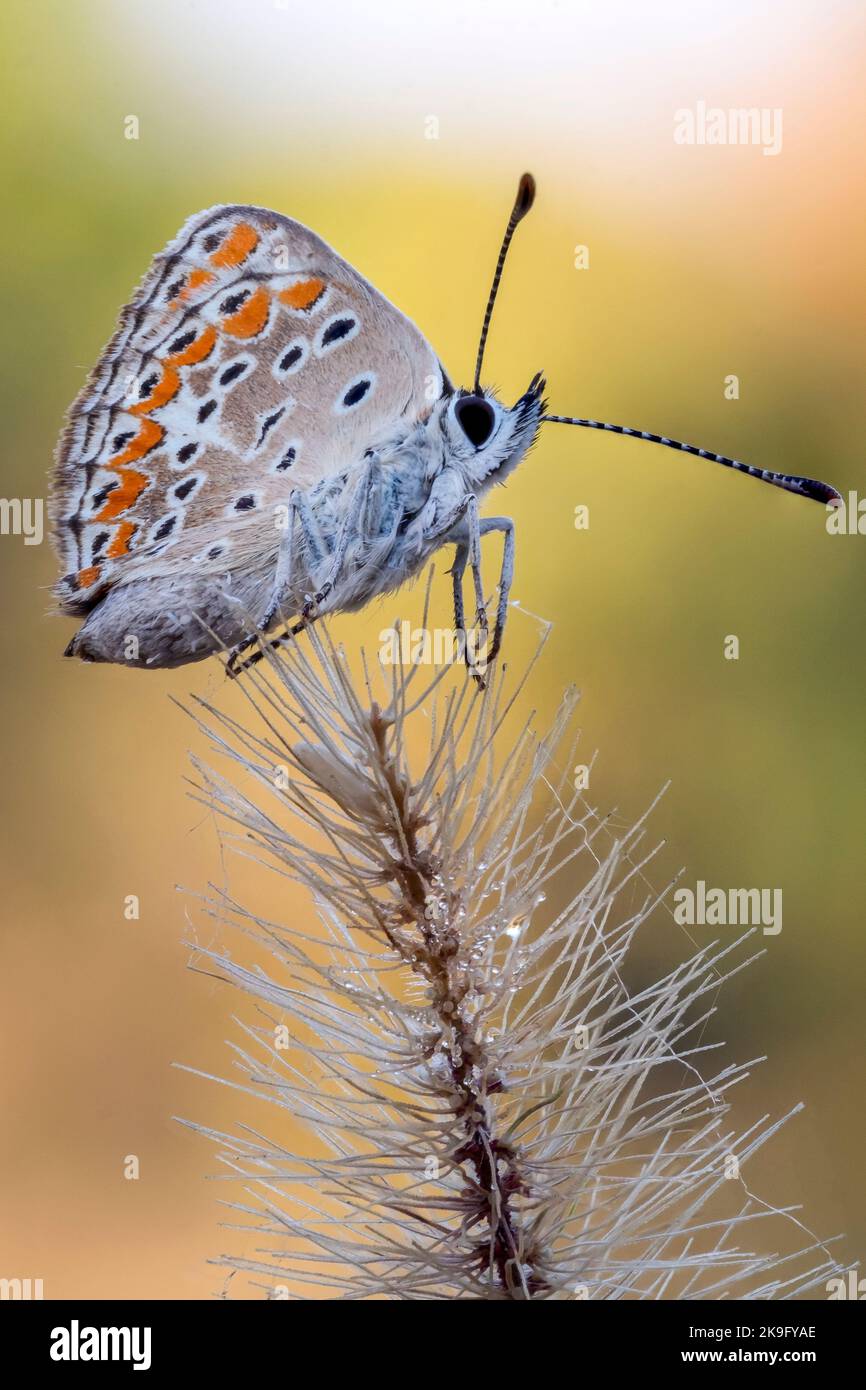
(316, 553)
(506, 575)
(285, 562)
(458, 569)
(300, 512)
(461, 559)
(349, 532)
(476, 530)
(450, 517)
(234, 667)
(281, 575)
(475, 533)
(468, 552)
(315, 549)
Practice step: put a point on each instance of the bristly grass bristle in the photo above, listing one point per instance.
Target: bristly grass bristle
(490, 1112)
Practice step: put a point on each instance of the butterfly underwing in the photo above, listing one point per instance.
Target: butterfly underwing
(267, 438)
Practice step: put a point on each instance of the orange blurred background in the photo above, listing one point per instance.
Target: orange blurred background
(704, 261)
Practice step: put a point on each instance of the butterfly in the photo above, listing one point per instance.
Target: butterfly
(267, 438)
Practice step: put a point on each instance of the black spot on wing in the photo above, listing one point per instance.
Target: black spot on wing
(292, 356)
(102, 494)
(337, 330)
(233, 372)
(184, 341)
(268, 424)
(356, 394)
(233, 302)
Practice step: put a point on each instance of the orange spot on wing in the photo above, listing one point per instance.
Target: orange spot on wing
(251, 317)
(197, 350)
(194, 281)
(240, 241)
(132, 485)
(122, 536)
(149, 435)
(86, 577)
(303, 295)
(167, 387)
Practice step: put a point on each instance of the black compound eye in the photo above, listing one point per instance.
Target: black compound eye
(476, 417)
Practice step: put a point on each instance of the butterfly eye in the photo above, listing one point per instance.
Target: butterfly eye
(476, 417)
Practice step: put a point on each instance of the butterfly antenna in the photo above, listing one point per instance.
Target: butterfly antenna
(803, 487)
(522, 203)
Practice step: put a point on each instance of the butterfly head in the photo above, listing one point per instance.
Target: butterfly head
(487, 439)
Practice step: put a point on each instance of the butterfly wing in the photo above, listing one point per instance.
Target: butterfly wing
(251, 361)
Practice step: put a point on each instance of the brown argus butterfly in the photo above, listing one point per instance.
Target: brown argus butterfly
(267, 438)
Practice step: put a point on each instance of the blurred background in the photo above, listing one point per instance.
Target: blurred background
(398, 134)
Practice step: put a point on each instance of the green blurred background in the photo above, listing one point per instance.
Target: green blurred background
(704, 261)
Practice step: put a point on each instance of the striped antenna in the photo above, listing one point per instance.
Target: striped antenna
(803, 487)
(522, 203)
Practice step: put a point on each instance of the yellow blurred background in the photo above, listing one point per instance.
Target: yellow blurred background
(704, 261)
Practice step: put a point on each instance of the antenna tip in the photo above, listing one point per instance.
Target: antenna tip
(525, 196)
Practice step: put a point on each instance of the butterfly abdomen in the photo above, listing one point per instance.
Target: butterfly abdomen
(166, 622)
